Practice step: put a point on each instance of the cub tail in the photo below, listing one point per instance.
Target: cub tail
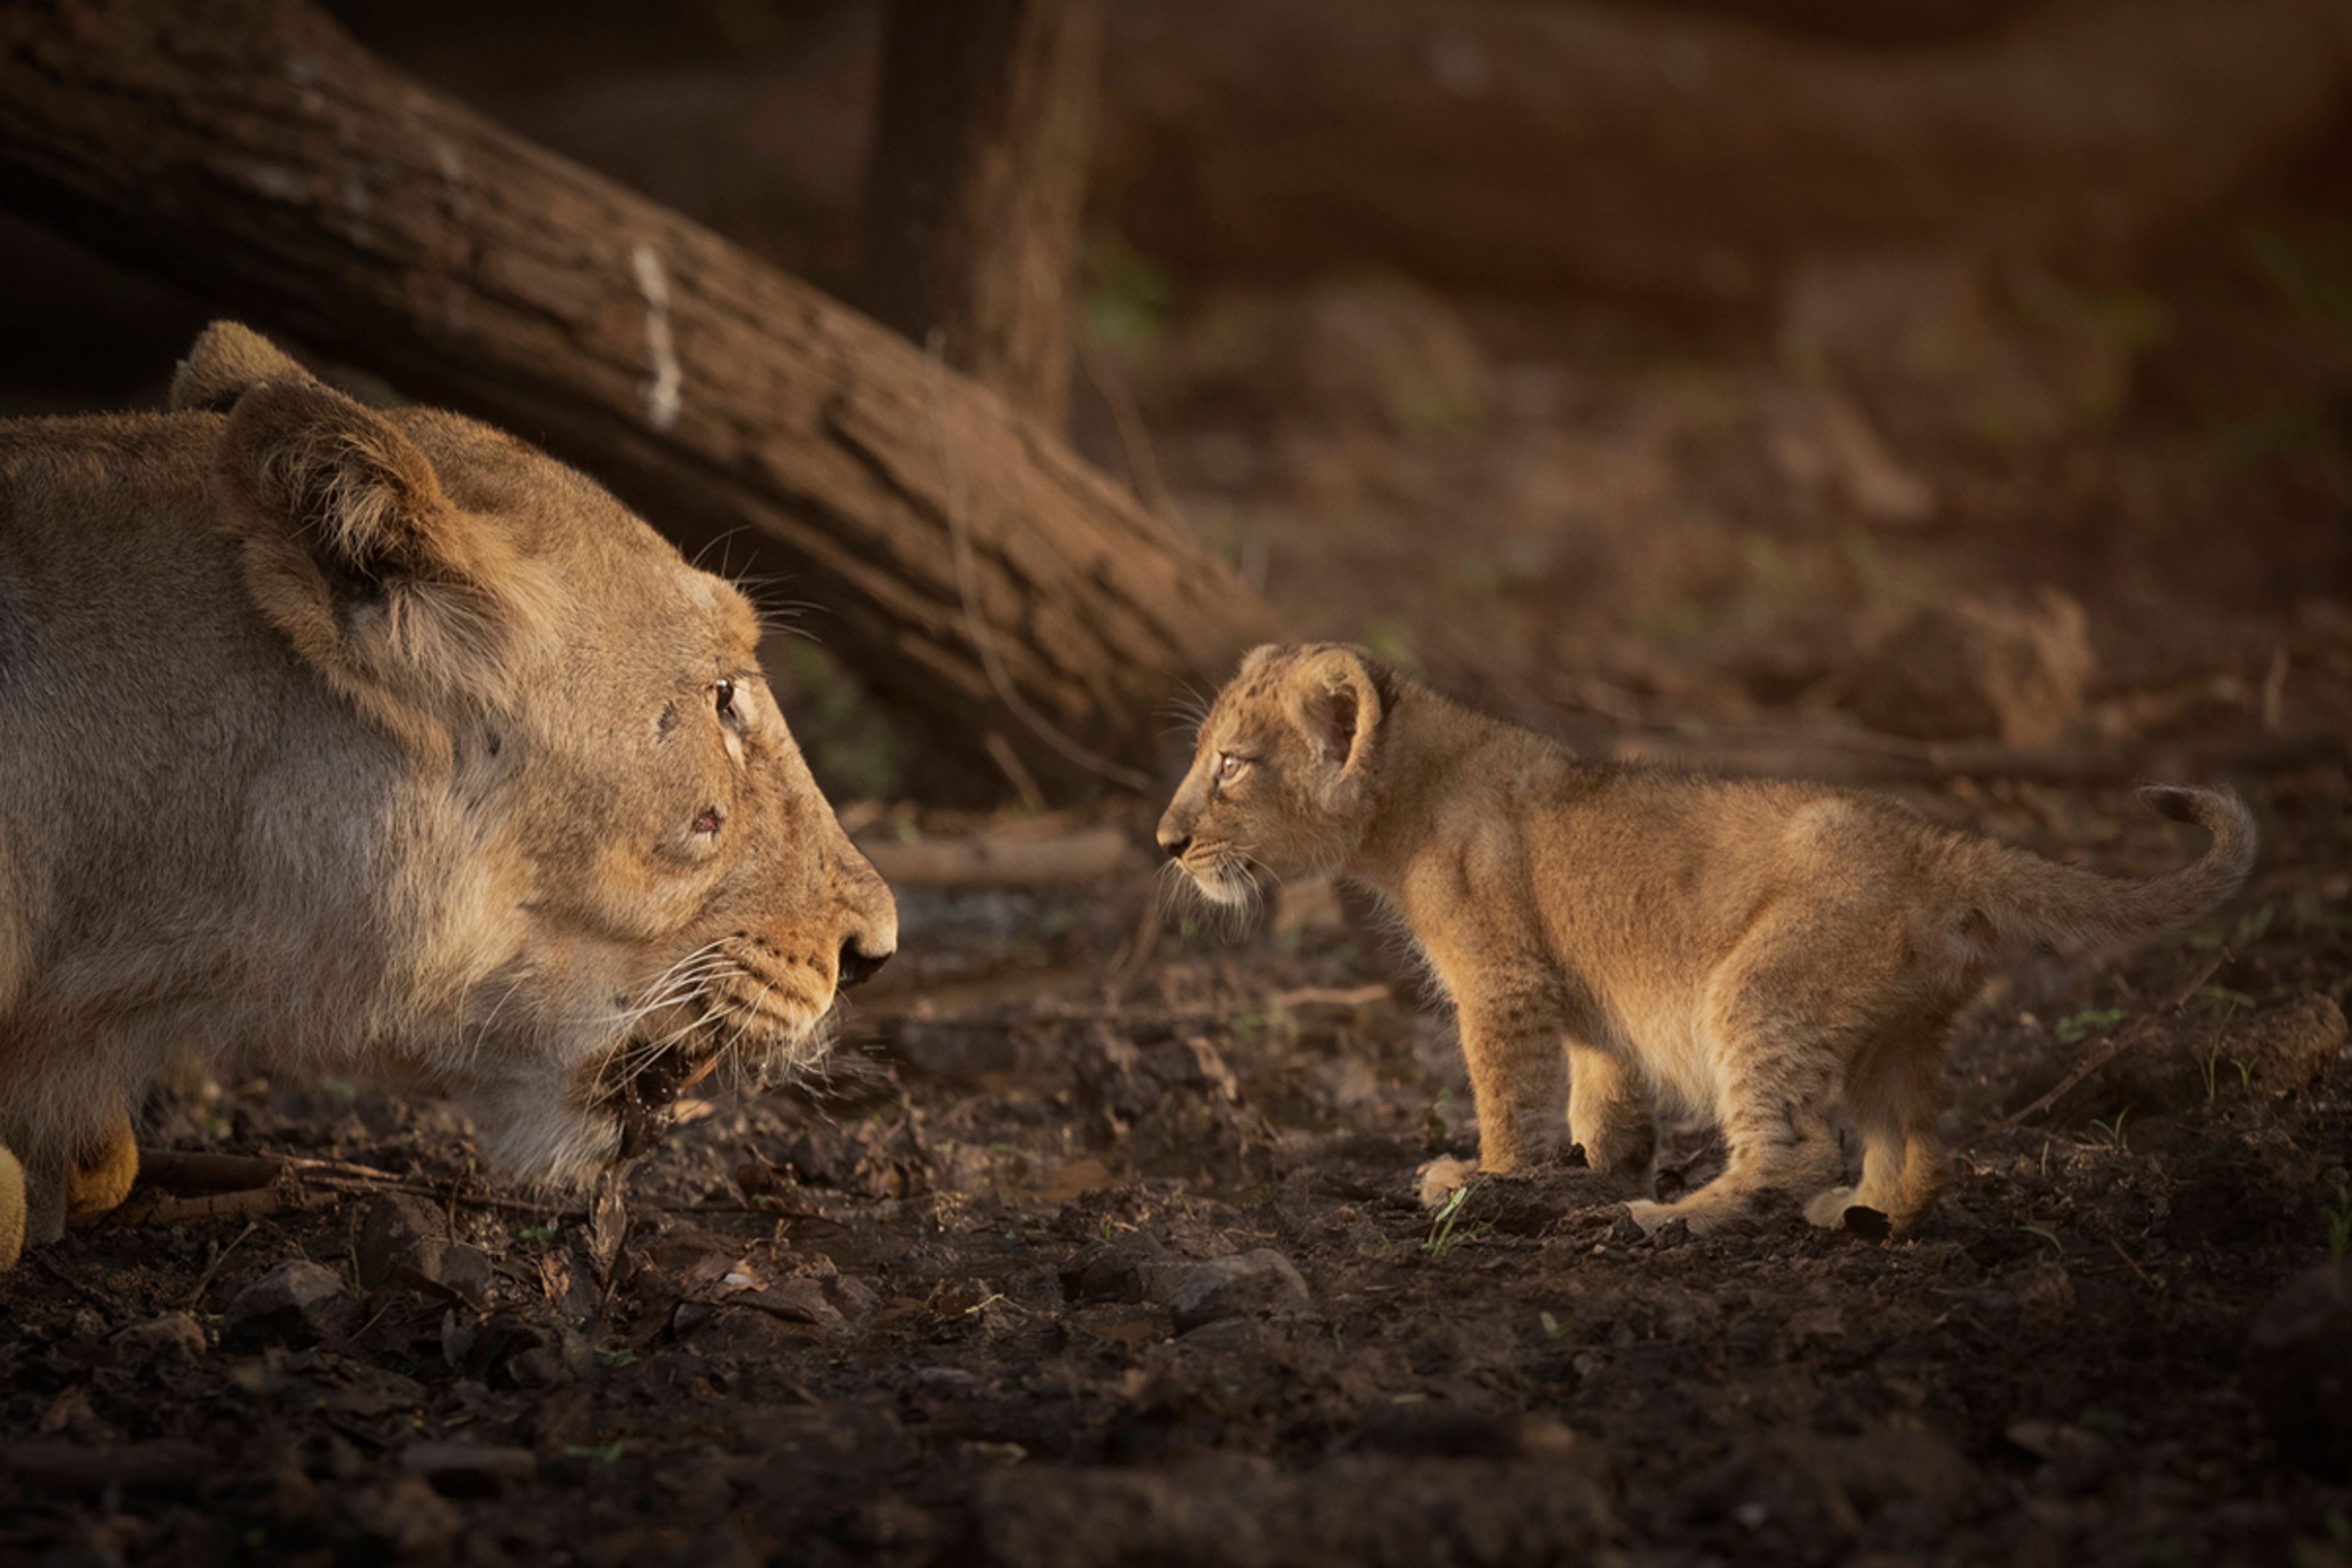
(2026, 900)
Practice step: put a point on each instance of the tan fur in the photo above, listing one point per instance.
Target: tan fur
(382, 742)
(1752, 951)
(103, 1179)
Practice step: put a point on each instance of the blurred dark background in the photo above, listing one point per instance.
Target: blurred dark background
(1635, 367)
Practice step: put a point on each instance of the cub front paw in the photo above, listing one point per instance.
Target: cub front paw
(1439, 1179)
(1652, 1218)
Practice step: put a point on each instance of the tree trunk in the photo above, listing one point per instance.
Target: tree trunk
(1645, 147)
(975, 571)
(983, 133)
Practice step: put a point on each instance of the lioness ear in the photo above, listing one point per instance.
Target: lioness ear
(1337, 705)
(354, 552)
(226, 362)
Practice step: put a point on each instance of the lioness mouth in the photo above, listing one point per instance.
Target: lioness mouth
(642, 1100)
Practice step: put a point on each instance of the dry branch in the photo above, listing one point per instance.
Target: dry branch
(254, 152)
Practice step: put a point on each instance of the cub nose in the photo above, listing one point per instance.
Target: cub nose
(858, 968)
(1174, 842)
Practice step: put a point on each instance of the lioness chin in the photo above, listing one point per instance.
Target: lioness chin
(379, 742)
(1750, 951)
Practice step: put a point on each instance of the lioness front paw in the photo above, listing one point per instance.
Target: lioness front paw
(101, 1182)
(12, 1210)
(1441, 1177)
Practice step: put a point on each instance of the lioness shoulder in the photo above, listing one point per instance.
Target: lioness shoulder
(1751, 952)
(378, 740)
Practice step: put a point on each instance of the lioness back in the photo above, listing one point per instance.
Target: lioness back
(1749, 951)
(380, 740)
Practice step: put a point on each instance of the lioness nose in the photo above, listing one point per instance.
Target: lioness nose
(858, 968)
(1174, 843)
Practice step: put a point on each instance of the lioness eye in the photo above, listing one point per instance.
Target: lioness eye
(1229, 766)
(723, 694)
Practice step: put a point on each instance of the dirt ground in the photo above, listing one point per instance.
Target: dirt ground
(1097, 1242)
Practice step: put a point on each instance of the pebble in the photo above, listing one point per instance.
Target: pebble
(299, 1300)
(1244, 1284)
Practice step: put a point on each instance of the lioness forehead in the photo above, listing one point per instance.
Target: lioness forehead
(557, 514)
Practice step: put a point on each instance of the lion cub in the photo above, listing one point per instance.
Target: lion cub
(1750, 951)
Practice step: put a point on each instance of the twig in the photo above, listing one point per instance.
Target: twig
(967, 587)
(2132, 1264)
(204, 1280)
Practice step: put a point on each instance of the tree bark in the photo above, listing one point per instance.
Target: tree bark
(968, 566)
(1645, 147)
(983, 132)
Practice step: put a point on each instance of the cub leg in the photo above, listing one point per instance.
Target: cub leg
(1515, 1071)
(1510, 1042)
(1896, 1095)
(102, 1180)
(1609, 1114)
(1774, 1111)
(12, 1210)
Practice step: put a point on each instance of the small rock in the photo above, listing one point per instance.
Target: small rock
(2002, 665)
(2299, 1370)
(174, 1336)
(1111, 1270)
(1247, 1283)
(463, 1270)
(298, 1301)
(399, 1229)
(405, 1240)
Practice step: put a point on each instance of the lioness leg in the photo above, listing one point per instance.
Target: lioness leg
(102, 1180)
(1609, 1114)
(12, 1210)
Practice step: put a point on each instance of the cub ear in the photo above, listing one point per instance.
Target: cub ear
(227, 360)
(1337, 705)
(354, 552)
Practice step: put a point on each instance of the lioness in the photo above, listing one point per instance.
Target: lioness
(381, 742)
(1749, 951)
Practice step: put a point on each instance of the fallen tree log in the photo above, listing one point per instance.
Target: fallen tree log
(1658, 150)
(970, 568)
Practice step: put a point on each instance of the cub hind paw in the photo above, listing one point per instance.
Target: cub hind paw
(1827, 1209)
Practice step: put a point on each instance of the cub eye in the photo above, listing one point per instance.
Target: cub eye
(723, 696)
(1229, 766)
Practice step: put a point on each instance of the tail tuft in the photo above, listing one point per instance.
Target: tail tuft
(2180, 804)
